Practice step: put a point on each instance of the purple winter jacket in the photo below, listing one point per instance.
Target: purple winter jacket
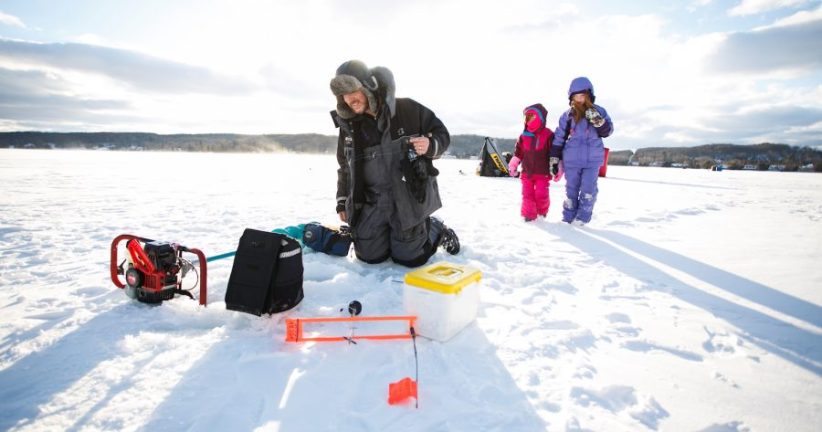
(583, 148)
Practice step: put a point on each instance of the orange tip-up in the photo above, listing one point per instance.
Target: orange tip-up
(401, 391)
(294, 328)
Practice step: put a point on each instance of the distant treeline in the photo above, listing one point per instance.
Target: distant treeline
(309, 143)
(462, 146)
(760, 156)
(781, 157)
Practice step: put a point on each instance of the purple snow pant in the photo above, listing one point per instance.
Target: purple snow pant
(580, 192)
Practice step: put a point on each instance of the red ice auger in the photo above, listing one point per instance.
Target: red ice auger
(155, 269)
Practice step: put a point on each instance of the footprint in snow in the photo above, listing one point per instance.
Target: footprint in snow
(585, 372)
(721, 343)
(619, 318)
(734, 426)
(619, 399)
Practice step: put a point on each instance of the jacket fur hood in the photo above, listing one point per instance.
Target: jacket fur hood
(376, 83)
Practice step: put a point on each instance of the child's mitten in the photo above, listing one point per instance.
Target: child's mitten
(594, 117)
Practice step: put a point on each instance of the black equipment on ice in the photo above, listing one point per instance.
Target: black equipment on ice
(267, 275)
(354, 308)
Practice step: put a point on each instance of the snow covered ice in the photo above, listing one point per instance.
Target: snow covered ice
(690, 302)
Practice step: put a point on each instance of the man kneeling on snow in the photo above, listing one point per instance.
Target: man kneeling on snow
(386, 183)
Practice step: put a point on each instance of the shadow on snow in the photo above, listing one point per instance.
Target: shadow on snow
(788, 341)
(251, 381)
(35, 379)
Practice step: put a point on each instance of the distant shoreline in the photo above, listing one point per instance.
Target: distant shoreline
(755, 157)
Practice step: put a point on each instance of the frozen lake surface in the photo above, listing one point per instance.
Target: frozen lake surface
(691, 302)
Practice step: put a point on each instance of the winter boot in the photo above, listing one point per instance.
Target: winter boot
(449, 241)
(441, 235)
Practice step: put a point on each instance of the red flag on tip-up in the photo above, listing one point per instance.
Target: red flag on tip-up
(401, 390)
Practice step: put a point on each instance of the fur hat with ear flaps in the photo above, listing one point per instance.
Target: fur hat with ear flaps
(377, 84)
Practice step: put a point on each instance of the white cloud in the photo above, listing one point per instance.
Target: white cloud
(801, 17)
(697, 4)
(11, 20)
(90, 39)
(143, 72)
(752, 7)
(814, 128)
(680, 138)
(265, 69)
(794, 47)
(7, 125)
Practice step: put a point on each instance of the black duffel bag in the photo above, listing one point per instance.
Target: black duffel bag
(267, 275)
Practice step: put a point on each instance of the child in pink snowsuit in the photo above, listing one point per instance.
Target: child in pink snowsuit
(532, 153)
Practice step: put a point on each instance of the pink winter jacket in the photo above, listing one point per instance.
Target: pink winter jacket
(534, 145)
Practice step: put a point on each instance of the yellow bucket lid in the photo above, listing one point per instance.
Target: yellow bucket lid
(443, 277)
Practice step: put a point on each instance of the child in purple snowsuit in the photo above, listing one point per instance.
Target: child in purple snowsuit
(578, 142)
(532, 151)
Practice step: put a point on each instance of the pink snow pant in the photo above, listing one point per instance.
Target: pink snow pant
(535, 198)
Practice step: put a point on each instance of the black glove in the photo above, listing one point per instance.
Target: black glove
(554, 164)
(415, 175)
(594, 117)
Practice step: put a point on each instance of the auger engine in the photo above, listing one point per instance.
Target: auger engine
(154, 270)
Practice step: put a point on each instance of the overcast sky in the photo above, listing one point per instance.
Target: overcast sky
(669, 73)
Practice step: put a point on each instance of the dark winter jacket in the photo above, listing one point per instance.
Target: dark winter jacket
(373, 157)
(534, 145)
